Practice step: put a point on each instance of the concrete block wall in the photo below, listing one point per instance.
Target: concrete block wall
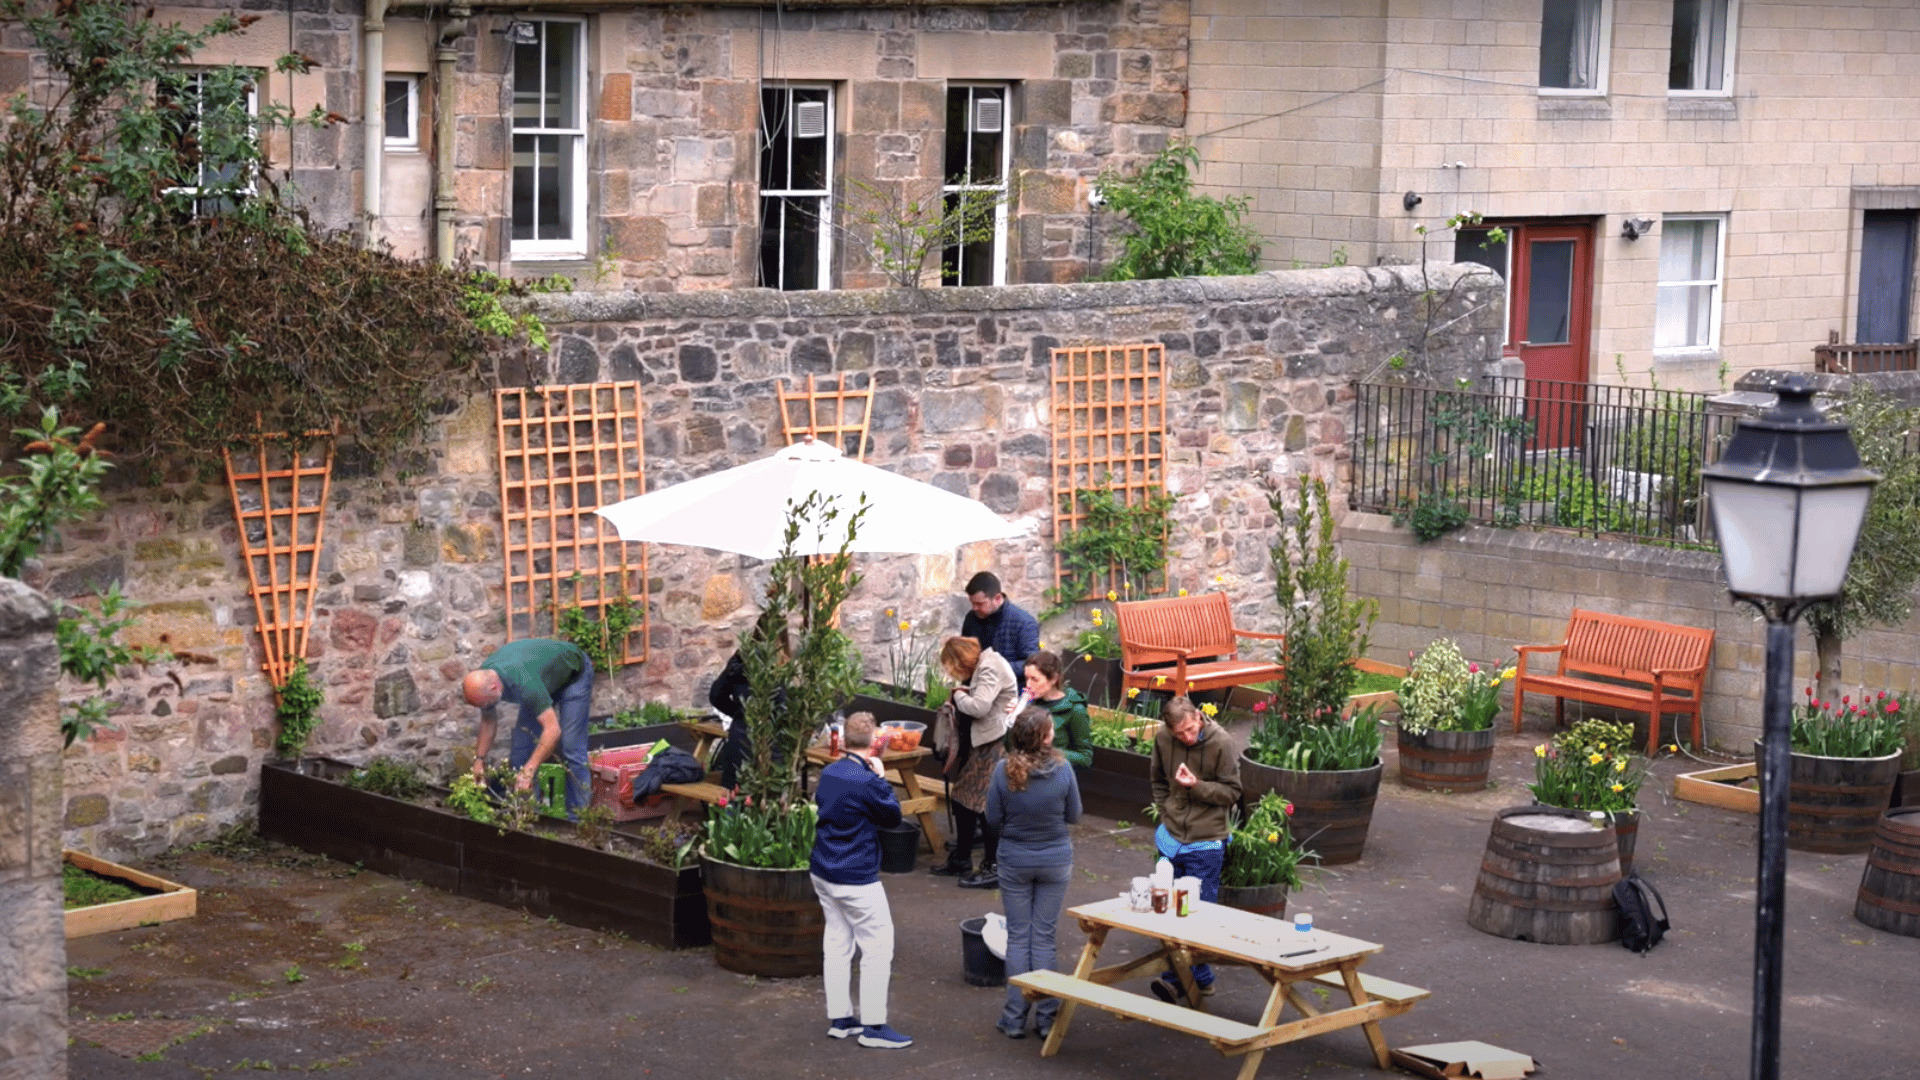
(33, 940)
(1491, 589)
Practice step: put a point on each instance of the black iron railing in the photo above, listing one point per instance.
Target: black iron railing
(1600, 460)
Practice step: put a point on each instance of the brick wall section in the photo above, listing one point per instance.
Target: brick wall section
(33, 941)
(1492, 589)
(1257, 377)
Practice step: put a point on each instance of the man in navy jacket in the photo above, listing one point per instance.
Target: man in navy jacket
(856, 802)
(1000, 624)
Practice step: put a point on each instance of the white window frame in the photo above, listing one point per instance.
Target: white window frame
(1717, 283)
(410, 142)
(1603, 51)
(575, 245)
(769, 130)
(199, 74)
(1006, 171)
(1726, 64)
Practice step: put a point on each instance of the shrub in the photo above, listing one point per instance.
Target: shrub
(1174, 232)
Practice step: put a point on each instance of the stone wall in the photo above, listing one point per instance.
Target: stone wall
(1257, 376)
(1491, 589)
(33, 940)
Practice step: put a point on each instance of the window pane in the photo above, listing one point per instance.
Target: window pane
(1476, 246)
(1688, 250)
(776, 120)
(1684, 317)
(543, 178)
(956, 141)
(970, 262)
(1569, 44)
(562, 96)
(526, 86)
(809, 152)
(1699, 45)
(1549, 291)
(789, 242)
(399, 111)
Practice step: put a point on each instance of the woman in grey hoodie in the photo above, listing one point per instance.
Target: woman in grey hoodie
(1032, 803)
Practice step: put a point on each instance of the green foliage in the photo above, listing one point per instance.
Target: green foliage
(769, 836)
(1260, 850)
(152, 274)
(595, 826)
(466, 795)
(387, 776)
(1325, 629)
(1098, 640)
(297, 708)
(911, 665)
(1590, 766)
(1117, 730)
(91, 651)
(1432, 515)
(1338, 745)
(1444, 692)
(84, 888)
(906, 224)
(646, 714)
(1115, 542)
(601, 634)
(1174, 231)
(58, 482)
(670, 844)
(481, 293)
(1870, 727)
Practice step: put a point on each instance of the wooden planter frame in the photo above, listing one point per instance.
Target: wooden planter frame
(171, 900)
(1719, 786)
(543, 876)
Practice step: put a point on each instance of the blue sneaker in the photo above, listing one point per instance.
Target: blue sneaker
(844, 1027)
(886, 1038)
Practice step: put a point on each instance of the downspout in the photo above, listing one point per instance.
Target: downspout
(445, 54)
(373, 120)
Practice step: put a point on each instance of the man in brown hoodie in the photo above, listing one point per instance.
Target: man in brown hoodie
(1196, 784)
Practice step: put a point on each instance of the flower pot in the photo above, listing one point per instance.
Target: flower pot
(1889, 897)
(1906, 789)
(1833, 803)
(1445, 760)
(1547, 876)
(765, 922)
(1269, 900)
(1332, 808)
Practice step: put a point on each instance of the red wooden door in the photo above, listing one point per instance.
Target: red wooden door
(1552, 311)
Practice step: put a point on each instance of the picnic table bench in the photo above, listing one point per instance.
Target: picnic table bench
(1621, 662)
(1185, 643)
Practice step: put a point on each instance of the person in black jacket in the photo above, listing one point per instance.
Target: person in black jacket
(729, 695)
(856, 802)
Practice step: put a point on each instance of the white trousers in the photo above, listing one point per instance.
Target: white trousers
(857, 918)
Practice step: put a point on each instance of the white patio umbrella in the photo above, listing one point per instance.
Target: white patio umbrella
(744, 509)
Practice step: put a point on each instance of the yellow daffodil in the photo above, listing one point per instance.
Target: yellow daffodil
(1183, 592)
(1593, 759)
(905, 625)
(1159, 680)
(1210, 709)
(1127, 585)
(1087, 657)
(1673, 748)
(1217, 579)
(1540, 750)
(1133, 691)
(1111, 595)
(1601, 746)
(1273, 838)
(889, 613)
(1619, 766)
(1619, 787)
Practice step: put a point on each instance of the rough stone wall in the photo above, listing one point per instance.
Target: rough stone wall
(1257, 371)
(1491, 589)
(33, 941)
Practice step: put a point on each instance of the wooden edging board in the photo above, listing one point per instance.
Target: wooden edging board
(172, 901)
(1720, 787)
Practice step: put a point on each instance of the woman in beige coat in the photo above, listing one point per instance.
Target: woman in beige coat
(985, 701)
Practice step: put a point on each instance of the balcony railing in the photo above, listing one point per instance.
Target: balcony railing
(1859, 359)
(1599, 460)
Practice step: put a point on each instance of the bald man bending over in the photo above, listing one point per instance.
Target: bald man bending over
(552, 683)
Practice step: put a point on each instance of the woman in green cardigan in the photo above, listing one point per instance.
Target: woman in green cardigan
(1072, 731)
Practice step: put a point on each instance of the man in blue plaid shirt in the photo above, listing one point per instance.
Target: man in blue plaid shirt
(998, 624)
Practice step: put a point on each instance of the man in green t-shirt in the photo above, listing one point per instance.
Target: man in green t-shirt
(552, 682)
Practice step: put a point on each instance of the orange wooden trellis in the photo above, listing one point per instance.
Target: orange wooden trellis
(1109, 426)
(836, 414)
(279, 503)
(564, 451)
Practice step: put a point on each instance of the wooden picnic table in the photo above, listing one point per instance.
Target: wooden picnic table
(1292, 963)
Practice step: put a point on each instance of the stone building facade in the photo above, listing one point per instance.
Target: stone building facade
(33, 941)
(1256, 373)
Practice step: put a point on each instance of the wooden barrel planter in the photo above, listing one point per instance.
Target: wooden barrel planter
(1269, 900)
(1834, 803)
(1889, 896)
(1547, 876)
(765, 922)
(1445, 760)
(1331, 809)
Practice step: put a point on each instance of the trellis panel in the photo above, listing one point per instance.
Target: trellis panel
(279, 487)
(1109, 427)
(838, 413)
(565, 451)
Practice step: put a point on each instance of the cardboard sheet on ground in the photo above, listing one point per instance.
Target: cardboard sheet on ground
(1463, 1059)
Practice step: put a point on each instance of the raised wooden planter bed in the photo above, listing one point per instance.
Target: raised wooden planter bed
(168, 900)
(1730, 787)
(312, 810)
(1118, 784)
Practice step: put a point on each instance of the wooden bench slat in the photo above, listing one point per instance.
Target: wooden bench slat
(704, 792)
(1226, 1033)
(1378, 988)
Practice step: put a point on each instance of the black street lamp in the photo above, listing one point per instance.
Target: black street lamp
(1788, 498)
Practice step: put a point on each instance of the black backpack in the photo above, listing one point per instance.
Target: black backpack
(1643, 914)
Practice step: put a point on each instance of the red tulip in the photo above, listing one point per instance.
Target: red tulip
(1893, 706)
(721, 802)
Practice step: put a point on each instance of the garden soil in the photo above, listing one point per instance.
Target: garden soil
(296, 962)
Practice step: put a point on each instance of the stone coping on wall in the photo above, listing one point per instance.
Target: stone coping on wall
(627, 307)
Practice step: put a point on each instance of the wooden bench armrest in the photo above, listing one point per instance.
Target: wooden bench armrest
(1660, 673)
(1523, 650)
(1258, 634)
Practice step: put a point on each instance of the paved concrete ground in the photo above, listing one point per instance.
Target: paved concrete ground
(446, 987)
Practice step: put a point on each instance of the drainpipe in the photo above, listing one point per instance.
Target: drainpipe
(444, 56)
(373, 120)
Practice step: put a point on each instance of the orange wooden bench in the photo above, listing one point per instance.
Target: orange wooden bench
(1185, 643)
(1625, 663)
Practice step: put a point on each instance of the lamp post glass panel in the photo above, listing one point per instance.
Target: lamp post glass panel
(1788, 499)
